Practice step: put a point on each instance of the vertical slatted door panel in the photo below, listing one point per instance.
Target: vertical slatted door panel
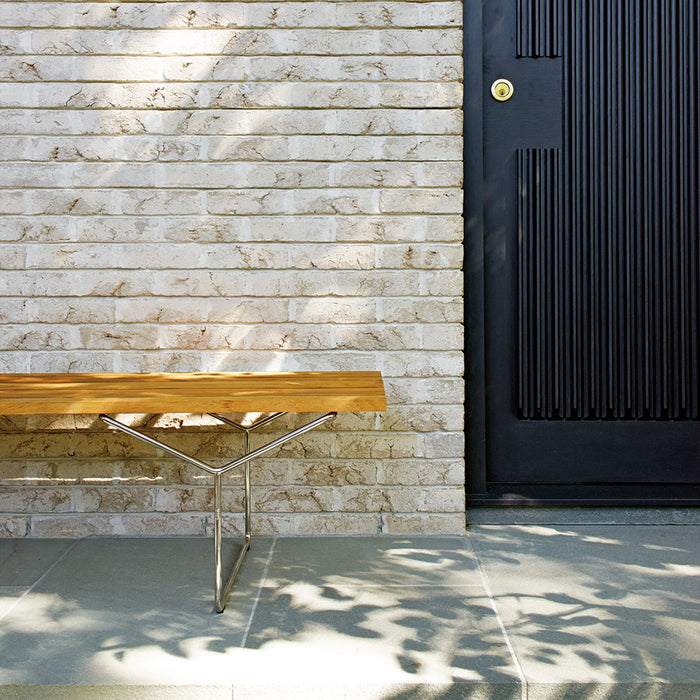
(540, 278)
(620, 339)
(538, 28)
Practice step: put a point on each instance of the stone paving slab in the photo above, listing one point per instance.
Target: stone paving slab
(108, 599)
(115, 692)
(23, 562)
(399, 610)
(597, 604)
(508, 612)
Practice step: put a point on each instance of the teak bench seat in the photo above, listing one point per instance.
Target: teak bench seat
(272, 393)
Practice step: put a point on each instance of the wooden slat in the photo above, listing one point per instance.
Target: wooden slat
(36, 394)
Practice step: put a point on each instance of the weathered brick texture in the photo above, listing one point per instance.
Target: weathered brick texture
(235, 186)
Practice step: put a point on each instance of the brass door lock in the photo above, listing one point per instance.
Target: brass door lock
(502, 89)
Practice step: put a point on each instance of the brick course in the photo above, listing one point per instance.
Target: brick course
(234, 186)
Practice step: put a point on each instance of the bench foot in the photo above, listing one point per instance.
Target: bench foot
(223, 588)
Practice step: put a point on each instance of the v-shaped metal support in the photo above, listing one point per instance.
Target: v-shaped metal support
(223, 588)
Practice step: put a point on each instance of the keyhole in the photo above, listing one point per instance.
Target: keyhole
(502, 89)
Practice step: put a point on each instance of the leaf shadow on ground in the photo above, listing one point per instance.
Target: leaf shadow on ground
(618, 604)
(130, 611)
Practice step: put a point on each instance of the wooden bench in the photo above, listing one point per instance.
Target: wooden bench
(272, 393)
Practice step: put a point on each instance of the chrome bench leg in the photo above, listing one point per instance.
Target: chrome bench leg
(222, 589)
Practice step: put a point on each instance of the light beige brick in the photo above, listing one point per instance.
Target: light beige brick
(316, 473)
(442, 283)
(315, 524)
(198, 499)
(398, 121)
(411, 227)
(55, 499)
(433, 364)
(449, 174)
(247, 148)
(13, 257)
(334, 257)
(51, 423)
(420, 256)
(421, 472)
(13, 525)
(77, 361)
(40, 337)
(443, 444)
(445, 335)
(422, 148)
(436, 310)
(363, 499)
(59, 472)
(408, 201)
(114, 499)
(76, 311)
(433, 391)
(445, 499)
(89, 68)
(14, 42)
(159, 202)
(424, 523)
(20, 228)
(13, 202)
(70, 202)
(115, 337)
(323, 310)
(14, 361)
(421, 418)
(294, 499)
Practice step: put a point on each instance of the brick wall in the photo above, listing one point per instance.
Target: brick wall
(234, 186)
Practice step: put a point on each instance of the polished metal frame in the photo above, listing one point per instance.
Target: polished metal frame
(222, 589)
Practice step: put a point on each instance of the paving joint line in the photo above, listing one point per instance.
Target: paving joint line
(487, 586)
(261, 585)
(42, 577)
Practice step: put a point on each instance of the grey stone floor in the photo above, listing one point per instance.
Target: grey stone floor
(543, 612)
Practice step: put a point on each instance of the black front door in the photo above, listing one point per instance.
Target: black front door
(591, 251)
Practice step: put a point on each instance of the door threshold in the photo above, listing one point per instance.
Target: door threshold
(553, 515)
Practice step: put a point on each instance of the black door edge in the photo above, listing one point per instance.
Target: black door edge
(475, 399)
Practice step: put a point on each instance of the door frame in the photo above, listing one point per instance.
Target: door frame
(475, 368)
(478, 492)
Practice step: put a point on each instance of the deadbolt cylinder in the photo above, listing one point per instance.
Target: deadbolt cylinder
(502, 89)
